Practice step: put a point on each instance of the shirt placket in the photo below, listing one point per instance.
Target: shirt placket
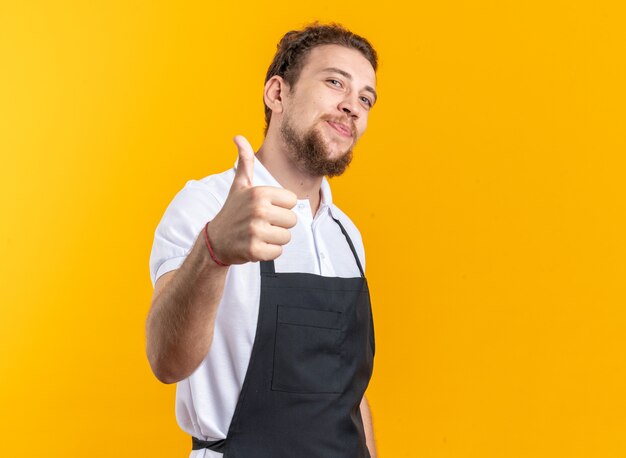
(323, 254)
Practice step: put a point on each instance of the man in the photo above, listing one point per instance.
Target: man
(261, 312)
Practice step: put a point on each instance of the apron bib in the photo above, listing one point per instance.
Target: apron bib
(311, 362)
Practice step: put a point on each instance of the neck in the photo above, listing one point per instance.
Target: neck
(279, 163)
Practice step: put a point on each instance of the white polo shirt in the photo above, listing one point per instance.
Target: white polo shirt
(206, 400)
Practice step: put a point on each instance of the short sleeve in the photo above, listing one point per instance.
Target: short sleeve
(180, 226)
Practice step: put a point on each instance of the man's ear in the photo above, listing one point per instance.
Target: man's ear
(273, 93)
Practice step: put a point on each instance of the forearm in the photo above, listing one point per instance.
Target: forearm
(180, 324)
(366, 415)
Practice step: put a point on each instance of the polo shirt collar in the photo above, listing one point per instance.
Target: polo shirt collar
(327, 197)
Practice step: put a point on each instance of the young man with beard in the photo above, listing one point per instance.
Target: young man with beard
(261, 312)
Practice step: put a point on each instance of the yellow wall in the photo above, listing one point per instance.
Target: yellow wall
(489, 190)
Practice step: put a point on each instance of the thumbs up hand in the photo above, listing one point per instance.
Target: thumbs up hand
(245, 164)
(254, 221)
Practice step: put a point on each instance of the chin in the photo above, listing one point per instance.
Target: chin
(337, 154)
(338, 148)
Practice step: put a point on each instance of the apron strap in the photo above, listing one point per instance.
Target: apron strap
(356, 257)
(267, 267)
(216, 446)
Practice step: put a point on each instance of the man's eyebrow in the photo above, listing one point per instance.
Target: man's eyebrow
(349, 77)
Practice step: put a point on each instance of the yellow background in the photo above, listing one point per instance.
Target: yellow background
(489, 190)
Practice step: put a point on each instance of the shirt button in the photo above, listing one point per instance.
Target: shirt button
(322, 255)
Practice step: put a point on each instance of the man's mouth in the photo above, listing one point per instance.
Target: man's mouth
(341, 128)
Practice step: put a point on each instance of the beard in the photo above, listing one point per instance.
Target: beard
(310, 152)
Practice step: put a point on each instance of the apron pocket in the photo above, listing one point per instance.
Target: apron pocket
(307, 356)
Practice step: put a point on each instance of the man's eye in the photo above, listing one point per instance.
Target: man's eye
(335, 82)
(367, 101)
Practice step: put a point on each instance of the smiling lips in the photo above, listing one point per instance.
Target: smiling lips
(341, 128)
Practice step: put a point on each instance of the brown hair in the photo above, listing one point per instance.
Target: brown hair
(295, 46)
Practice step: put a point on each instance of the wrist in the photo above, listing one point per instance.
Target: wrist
(210, 247)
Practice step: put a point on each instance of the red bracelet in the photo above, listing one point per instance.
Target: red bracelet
(206, 237)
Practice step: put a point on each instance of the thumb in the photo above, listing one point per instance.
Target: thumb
(245, 166)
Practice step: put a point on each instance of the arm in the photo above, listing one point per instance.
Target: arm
(252, 225)
(180, 324)
(366, 415)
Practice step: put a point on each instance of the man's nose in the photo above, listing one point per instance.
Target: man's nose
(350, 106)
